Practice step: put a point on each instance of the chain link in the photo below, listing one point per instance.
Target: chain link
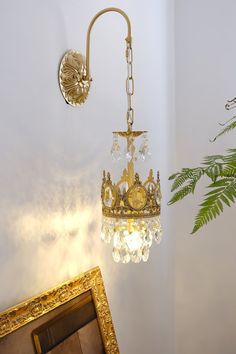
(129, 85)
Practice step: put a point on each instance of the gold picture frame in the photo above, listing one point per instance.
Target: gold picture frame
(58, 298)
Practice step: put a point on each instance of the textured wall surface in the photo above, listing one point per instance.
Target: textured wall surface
(52, 156)
(204, 264)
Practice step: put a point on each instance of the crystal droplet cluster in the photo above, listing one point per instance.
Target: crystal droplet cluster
(131, 239)
(130, 152)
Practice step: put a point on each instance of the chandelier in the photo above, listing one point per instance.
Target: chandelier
(130, 207)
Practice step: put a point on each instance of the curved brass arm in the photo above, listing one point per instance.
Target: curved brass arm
(74, 71)
(109, 9)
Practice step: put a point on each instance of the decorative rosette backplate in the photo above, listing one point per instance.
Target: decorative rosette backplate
(73, 79)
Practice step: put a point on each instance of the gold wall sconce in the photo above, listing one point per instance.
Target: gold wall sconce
(130, 208)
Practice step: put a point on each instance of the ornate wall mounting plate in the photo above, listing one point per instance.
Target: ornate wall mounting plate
(73, 81)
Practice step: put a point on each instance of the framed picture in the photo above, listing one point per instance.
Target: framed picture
(73, 318)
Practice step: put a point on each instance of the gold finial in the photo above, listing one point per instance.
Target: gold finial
(151, 176)
(104, 175)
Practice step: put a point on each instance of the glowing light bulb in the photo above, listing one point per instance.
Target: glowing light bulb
(133, 240)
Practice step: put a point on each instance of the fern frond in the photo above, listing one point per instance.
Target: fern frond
(209, 160)
(173, 176)
(227, 122)
(227, 129)
(214, 170)
(186, 174)
(183, 192)
(232, 151)
(193, 176)
(229, 169)
(180, 178)
(221, 170)
(223, 193)
(231, 157)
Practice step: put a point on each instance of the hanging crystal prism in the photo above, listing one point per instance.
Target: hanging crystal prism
(115, 149)
(130, 151)
(144, 152)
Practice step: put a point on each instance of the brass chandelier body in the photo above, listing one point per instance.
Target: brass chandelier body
(130, 208)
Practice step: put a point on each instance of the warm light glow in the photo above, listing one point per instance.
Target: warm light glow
(53, 225)
(131, 238)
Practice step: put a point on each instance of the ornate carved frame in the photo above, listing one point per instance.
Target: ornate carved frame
(29, 310)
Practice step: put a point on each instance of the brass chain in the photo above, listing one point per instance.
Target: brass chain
(129, 85)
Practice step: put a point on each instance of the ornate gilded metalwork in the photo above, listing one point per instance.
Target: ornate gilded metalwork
(73, 79)
(130, 133)
(74, 72)
(137, 197)
(137, 200)
(25, 312)
(109, 194)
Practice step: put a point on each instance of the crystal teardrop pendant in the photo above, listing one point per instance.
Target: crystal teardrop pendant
(130, 151)
(144, 152)
(115, 149)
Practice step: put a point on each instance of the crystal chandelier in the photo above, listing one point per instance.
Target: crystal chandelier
(130, 207)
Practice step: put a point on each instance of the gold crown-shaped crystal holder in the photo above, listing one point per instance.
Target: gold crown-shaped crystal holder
(131, 209)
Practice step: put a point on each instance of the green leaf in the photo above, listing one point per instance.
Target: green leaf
(213, 171)
(208, 160)
(227, 129)
(223, 193)
(181, 178)
(173, 176)
(182, 193)
(186, 175)
(221, 170)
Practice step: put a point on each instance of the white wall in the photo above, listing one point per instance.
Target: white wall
(205, 264)
(52, 156)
